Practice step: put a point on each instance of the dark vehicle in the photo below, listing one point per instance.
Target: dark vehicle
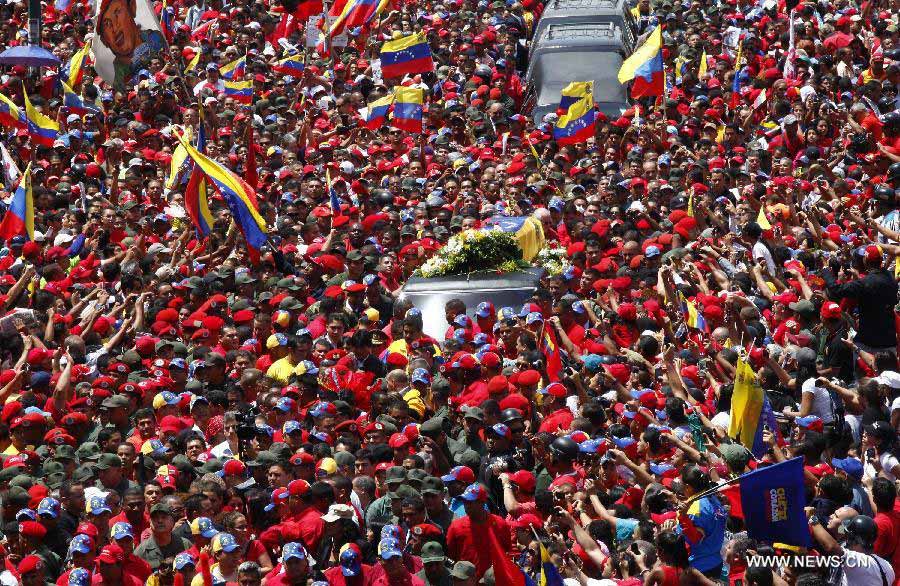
(578, 52)
(502, 289)
(586, 12)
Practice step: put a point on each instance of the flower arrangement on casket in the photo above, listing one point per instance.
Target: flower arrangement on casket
(553, 259)
(473, 251)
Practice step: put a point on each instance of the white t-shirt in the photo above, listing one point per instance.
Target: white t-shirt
(888, 463)
(722, 419)
(761, 252)
(860, 568)
(821, 406)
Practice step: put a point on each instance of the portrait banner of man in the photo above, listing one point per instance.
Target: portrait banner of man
(127, 39)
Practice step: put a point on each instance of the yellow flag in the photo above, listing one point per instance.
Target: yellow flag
(762, 220)
(746, 405)
(720, 134)
(194, 61)
(897, 267)
(690, 210)
(702, 70)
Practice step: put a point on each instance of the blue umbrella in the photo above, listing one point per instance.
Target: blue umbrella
(29, 56)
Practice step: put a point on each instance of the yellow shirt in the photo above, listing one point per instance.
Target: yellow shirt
(281, 370)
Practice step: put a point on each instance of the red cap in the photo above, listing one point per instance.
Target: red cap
(524, 479)
(111, 554)
(298, 487)
(30, 563)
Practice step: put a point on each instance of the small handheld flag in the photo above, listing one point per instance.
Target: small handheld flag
(762, 220)
(239, 91)
(292, 65)
(407, 55)
(42, 130)
(645, 67)
(408, 105)
(10, 114)
(234, 70)
(19, 218)
(574, 92)
(577, 124)
(376, 113)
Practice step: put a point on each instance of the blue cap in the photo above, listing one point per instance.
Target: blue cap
(350, 562)
(592, 362)
(480, 339)
(484, 309)
(48, 506)
(421, 375)
(285, 404)
(390, 532)
(851, 466)
(26, 515)
(292, 550)
(184, 559)
(591, 446)
(98, 506)
(203, 526)
(121, 530)
(661, 468)
(178, 363)
(413, 312)
(462, 320)
(623, 442)
(369, 280)
(170, 398)
(578, 307)
(81, 543)
(225, 542)
(474, 492)
(556, 204)
(533, 318)
(79, 577)
(265, 429)
(291, 426)
(389, 548)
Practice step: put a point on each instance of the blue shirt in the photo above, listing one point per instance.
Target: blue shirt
(708, 515)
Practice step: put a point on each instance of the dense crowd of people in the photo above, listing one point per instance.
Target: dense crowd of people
(175, 412)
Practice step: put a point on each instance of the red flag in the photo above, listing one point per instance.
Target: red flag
(505, 571)
(250, 174)
(205, 572)
(550, 348)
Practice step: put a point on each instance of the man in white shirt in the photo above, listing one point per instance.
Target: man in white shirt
(859, 565)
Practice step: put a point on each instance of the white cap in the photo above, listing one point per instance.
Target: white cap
(347, 167)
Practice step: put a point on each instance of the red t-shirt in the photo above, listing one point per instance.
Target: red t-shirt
(887, 544)
(335, 577)
(461, 541)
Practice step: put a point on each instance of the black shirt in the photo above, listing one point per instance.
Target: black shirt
(876, 294)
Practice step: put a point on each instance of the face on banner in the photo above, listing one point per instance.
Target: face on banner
(128, 38)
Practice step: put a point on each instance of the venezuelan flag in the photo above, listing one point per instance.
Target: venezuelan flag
(196, 195)
(574, 92)
(378, 10)
(239, 91)
(751, 411)
(355, 13)
(237, 195)
(550, 349)
(41, 129)
(550, 575)
(692, 316)
(377, 111)
(167, 21)
(406, 55)
(75, 104)
(645, 67)
(333, 199)
(195, 60)
(408, 103)
(528, 232)
(292, 65)
(577, 124)
(10, 114)
(73, 72)
(19, 218)
(234, 70)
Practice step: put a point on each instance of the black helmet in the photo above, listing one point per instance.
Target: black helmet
(884, 193)
(861, 530)
(510, 414)
(893, 174)
(564, 448)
